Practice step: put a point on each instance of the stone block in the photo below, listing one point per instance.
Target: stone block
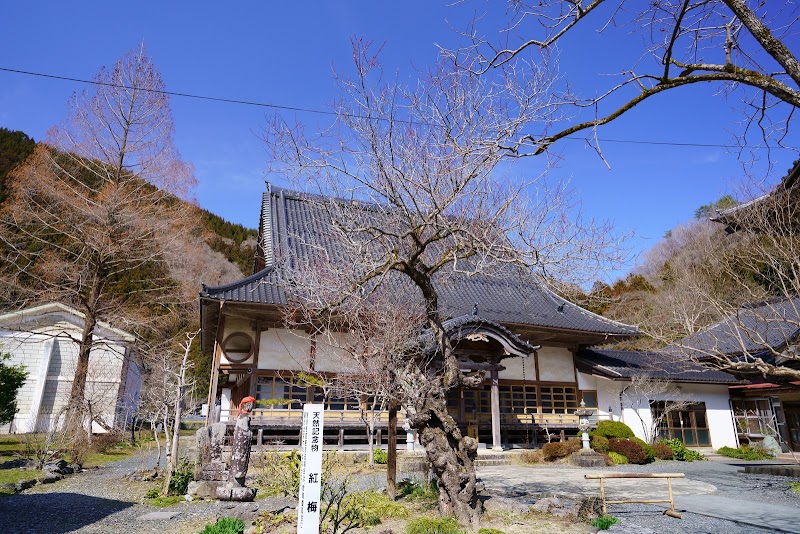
(202, 489)
(547, 504)
(587, 458)
(505, 504)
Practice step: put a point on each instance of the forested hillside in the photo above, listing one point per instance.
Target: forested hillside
(203, 248)
(234, 242)
(699, 273)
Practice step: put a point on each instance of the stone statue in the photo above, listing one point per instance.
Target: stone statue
(215, 478)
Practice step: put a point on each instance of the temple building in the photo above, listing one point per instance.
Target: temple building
(532, 346)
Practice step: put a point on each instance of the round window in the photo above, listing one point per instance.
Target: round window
(238, 347)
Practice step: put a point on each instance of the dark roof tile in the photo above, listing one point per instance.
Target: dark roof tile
(626, 364)
(295, 225)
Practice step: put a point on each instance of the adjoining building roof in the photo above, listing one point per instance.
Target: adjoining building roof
(34, 317)
(297, 225)
(753, 329)
(749, 215)
(626, 364)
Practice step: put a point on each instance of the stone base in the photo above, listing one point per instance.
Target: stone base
(587, 458)
(235, 493)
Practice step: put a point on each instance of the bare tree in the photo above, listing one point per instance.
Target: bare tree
(93, 215)
(743, 47)
(418, 204)
(653, 400)
(182, 383)
(762, 336)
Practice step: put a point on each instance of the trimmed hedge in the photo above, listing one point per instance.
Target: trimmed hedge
(629, 449)
(662, 452)
(554, 451)
(613, 429)
(617, 458)
(573, 445)
(650, 456)
(743, 453)
(600, 444)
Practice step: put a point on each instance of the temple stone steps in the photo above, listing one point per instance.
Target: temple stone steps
(488, 459)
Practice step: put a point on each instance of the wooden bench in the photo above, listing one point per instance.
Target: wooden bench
(669, 476)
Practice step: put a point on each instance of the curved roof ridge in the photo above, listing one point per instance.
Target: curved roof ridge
(464, 320)
(256, 277)
(586, 312)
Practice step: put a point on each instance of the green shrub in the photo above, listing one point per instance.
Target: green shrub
(152, 493)
(662, 451)
(412, 490)
(600, 444)
(225, 525)
(649, 453)
(428, 525)
(554, 451)
(680, 452)
(604, 522)
(629, 449)
(380, 456)
(613, 429)
(182, 474)
(617, 458)
(743, 453)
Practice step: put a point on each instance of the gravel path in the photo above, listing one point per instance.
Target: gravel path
(99, 500)
(747, 489)
(105, 500)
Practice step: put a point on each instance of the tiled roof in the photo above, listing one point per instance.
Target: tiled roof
(626, 364)
(754, 328)
(261, 288)
(297, 226)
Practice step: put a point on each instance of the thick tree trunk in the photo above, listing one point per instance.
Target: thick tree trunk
(75, 424)
(452, 457)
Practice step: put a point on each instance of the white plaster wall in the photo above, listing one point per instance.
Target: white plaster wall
(234, 324)
(332, 357)
(715, 397)
(24, 349)
(556, 365)
(718, 411)
(51, 386)
(284, 349)
(513, 369)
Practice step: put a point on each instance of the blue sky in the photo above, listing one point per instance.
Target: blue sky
(282, 53)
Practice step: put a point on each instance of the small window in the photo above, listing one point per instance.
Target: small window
(589, 398)
(238, 347)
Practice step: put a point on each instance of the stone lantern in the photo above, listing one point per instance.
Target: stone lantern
(586, 457)
(583, 423)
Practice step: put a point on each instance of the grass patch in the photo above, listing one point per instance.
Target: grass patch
(12, 446)
(225, 525)
(378, 504)
(12, 476)
(430, 525)
(163, 502)
(94, 459)
(604, 522)
(744, 453)
(795, 486)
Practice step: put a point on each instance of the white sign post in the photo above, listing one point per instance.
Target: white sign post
(308, 507)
